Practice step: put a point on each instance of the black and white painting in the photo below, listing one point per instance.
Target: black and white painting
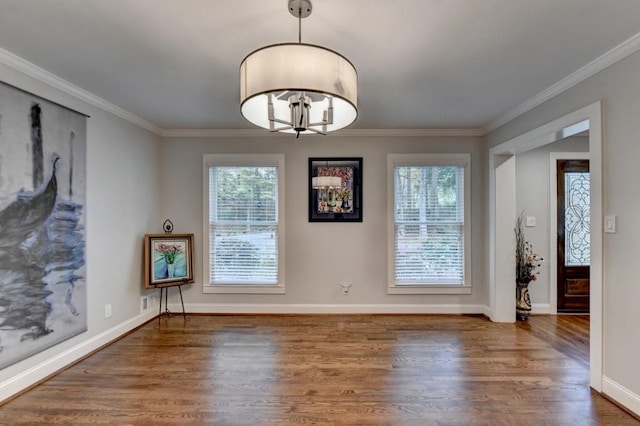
(43, 295)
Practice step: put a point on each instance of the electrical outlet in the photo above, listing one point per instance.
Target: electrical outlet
(107, 311)
(151, 301)
(346, 286)
(144, 303)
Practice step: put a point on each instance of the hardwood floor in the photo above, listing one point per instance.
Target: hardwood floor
(330, 369)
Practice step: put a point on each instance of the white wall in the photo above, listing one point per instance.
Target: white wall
(618, 87)
(319, 255)
(122, 204)
(532, 189)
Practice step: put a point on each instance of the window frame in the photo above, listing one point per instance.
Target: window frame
(428, 160)
(243, 160)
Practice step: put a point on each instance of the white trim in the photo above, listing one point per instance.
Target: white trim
(609, 58)
(621, 395)
(411, 132)
(429, 160)
(261, 133)
(544, 134)
(242, 160)
(222, 133)
(15, 62)
(502, 214)
(243, 289)
(9, 59)
(428, 289)
(264, 308)
(33, 375)
(534, 139)
(553, 222)
(486, 311)
(540, 308)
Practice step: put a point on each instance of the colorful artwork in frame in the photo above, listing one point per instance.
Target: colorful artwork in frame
(168, 259)
(335, 189)
(43, 288)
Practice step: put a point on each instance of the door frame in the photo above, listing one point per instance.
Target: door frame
(553, 223)
(501, 290)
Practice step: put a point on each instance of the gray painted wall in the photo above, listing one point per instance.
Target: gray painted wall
(122, 204)
(319, 255)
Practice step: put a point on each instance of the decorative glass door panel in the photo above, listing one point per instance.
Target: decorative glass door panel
(573, 250)
(576, 219)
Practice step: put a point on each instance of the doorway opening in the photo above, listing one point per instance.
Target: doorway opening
(502, 215)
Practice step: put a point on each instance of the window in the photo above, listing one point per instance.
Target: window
(243, 224)
(429, 223)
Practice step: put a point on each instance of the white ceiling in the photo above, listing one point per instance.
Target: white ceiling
(421, 63)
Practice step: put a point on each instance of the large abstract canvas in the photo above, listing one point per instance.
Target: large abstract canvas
(43, 296)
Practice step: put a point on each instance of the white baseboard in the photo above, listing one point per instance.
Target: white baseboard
(261, 308)
(486, 311)
(621, 395)
(540, 309)
(33, 375)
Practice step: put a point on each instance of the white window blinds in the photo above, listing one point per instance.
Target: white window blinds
(243, 225)
(429, 225)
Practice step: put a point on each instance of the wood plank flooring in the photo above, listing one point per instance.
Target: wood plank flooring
(330, 369)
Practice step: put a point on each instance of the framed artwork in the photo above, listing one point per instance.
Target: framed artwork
(335, 189)
(168, 260)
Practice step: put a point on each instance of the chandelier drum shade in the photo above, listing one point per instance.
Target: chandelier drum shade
(298, 87)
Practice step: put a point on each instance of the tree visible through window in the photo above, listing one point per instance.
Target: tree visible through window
(243, 225)
(428, 223)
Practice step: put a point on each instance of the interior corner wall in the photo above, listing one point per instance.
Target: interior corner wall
(618, 88)
(122, 204)
(320, 255)
(532, 198)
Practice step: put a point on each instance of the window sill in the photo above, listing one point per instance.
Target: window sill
(244, 289)
(428, 289)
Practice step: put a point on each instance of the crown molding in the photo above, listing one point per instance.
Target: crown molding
(219, 133)
(15, 62)
(604, 61)
(410, 132)
(260, 133)
(609, 58)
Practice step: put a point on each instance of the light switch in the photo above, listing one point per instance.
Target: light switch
(531, 221)
(610, 224)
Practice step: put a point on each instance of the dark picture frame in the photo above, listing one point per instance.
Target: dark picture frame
(335, 189)
(168, 260)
